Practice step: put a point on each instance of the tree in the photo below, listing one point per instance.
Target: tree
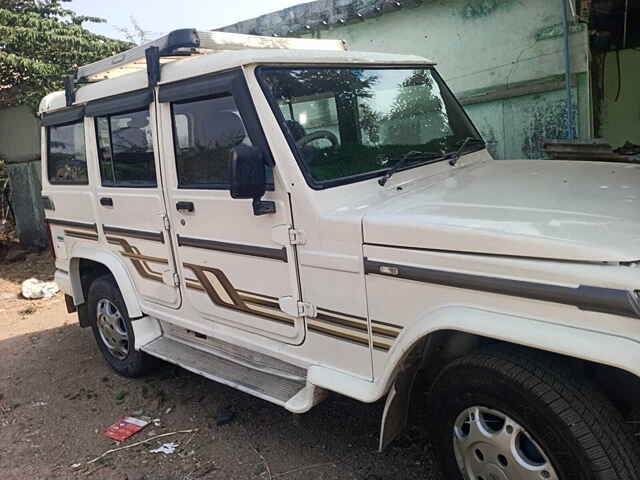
(40, 42)
(135, 33)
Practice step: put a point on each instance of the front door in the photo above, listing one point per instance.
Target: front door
(233, 270)
(131, 205)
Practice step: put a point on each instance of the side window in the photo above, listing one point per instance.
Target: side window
(125, 150)
(66, 154)
(204, 132)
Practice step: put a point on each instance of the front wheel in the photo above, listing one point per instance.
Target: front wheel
(507, 414)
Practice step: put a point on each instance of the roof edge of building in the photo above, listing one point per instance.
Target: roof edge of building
(317, 15)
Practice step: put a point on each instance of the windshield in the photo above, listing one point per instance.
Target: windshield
(347, 124)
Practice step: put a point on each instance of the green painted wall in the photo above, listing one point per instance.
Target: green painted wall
(19, 134)
(20, 147)
(621, 119)
(496, 48)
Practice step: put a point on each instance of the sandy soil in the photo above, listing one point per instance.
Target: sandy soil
(57, 395)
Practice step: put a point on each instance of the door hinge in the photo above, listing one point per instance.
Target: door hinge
(165, 222)
(296, 237)
(176, 279)
(297, 309)
(306, 309)
(285, 235)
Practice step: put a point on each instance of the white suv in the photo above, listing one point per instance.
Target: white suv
(290, 218)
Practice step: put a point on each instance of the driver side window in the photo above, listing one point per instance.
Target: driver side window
(204, 132)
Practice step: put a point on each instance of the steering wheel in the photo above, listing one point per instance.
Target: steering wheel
(325, 134)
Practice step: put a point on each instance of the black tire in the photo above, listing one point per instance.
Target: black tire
(134, 363)
(582, 434)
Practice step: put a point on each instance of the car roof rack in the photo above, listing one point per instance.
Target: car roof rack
(184, 43)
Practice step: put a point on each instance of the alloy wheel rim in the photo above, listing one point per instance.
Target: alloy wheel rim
(489, 445)
(113, 329)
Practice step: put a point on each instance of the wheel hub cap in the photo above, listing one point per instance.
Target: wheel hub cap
(113, 329)
(491, 446)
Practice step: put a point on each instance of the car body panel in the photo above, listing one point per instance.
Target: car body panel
(566, 210)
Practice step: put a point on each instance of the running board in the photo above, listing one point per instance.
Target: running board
(288, 391)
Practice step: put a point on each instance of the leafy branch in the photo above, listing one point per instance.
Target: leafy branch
(40, 42)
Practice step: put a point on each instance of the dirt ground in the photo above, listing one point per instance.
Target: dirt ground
(57, 395)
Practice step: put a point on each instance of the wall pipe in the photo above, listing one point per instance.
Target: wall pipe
(567, 72)
(626, 24)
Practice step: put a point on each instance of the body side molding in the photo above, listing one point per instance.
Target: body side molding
(584, 297)
(251, 250)
(69, 223)
(140, 234)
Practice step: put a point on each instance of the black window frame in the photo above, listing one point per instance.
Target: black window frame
(122, 184)
(198, 186)
(217, 85)
(48, 127)
(323, 185)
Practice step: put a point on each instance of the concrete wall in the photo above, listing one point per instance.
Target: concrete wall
(503, 58)
(621, 119)
(19, 134)
(20, 147)
(497, 49)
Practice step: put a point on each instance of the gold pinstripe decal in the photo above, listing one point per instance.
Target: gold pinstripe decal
(140, 262)
(330, 323)
(225, 295)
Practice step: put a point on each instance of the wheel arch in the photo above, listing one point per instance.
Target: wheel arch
(451, 332)
(472, 323)
(102, 262)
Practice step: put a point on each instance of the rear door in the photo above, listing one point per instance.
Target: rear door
(130, 199)
(234, 271)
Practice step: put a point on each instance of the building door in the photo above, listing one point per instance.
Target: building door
(232, 270)
(131, 206)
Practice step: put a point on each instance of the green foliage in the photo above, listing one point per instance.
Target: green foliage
(40, 42)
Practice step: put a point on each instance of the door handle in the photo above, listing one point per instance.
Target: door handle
(106, 201)
(185, 206)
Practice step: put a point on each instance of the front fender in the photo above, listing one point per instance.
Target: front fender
(115, 265)
(606, 349)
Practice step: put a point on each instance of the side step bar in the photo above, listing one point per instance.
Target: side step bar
(288, 391)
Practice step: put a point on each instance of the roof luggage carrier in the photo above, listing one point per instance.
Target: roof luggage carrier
(184, 43)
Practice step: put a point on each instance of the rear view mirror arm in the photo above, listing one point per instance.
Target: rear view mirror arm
(263, 207)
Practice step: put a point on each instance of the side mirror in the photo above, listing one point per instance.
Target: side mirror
(248, 178)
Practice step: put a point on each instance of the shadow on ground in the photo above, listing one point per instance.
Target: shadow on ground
(57, 395)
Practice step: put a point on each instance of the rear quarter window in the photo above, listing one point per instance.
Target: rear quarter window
(66, 154)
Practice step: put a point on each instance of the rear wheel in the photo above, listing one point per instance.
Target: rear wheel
(507, 414)
(113, 331)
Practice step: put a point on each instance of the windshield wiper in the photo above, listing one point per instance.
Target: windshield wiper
(413, 154)
(455, 156)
